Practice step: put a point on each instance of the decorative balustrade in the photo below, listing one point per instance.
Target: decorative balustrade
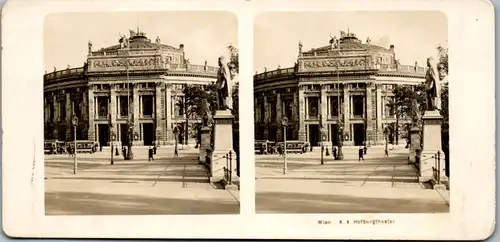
(384, 68)
(171, 67)
(64, 73)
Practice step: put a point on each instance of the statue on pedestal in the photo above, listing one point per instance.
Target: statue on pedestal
(224, 85)
(432, 86)
(90, 46)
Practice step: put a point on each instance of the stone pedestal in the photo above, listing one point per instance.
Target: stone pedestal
(431, 147)
(415, 144)
(204, 144)
(223, 145)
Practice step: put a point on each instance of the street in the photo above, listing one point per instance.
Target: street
(169, 185)
(376, 185)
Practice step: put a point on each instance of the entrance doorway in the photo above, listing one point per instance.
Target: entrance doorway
(358, 133)
(103, 134)
(334, 134)
(148, 132)
(314, 136)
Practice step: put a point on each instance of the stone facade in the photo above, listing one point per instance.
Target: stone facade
(351, 78)
(148, 77)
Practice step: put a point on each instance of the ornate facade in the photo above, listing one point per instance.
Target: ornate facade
(146, 76)
(347, 78)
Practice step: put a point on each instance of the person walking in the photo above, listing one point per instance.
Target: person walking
(334, 152)
(150, 154)
(176, 150)
(360, 154)
(124, 152)
(386, 152)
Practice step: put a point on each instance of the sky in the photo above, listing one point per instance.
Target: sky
(205, 35)
(415, 35)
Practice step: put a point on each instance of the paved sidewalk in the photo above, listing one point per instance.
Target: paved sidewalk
(169, 185)
(377, 184)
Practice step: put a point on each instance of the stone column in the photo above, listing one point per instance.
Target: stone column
(159, 117)
(112, 111)
(379, 128)
(324, 112)
(279, 110)
(295, 114)
(69, 125)
(347, 111)
(140, 106)
(168, 114)
(370, 139)
(302, 114)
(266, 118)
(136, 109)
(55, 132)
(91, 113)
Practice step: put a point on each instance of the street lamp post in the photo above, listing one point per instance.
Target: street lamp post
(75, 162)
(284, 123)
(130, 155)
(340, 130)
(110, 127)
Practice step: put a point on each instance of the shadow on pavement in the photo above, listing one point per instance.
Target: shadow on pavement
(122, 179)
(80, 203)
(273, 202)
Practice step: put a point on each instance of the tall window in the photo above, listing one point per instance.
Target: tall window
(147, 105)
(123, 106)
(62, 110)
(51, 112)
(262, 112)
(334, 106)
(288, 109)
(273, 111)
(77, 107)
(102, 106)
(358, 105)
(179, 107)
(313, 107)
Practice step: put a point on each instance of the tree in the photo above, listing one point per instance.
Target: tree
(405, 94)
(402, 104)
(194, 94)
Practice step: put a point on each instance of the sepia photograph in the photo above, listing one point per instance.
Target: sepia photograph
(141, 113)
(120, 119)
(351, 112)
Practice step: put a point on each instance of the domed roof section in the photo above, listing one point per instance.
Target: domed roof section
(139, 40)
(349, 41)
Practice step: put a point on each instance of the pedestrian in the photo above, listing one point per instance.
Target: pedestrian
(100, 147)
(150, 154)
(365, 149)
(154, 150)
(334, 152)
(176, 150)
(69, 150)
(360, 152)
(116, 151)
(386, 152)
(124, 151)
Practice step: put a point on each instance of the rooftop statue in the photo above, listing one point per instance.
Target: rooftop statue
(90, 46)
(300, 46)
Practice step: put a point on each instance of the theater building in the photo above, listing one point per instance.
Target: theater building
(136, 81)
(348, 77)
